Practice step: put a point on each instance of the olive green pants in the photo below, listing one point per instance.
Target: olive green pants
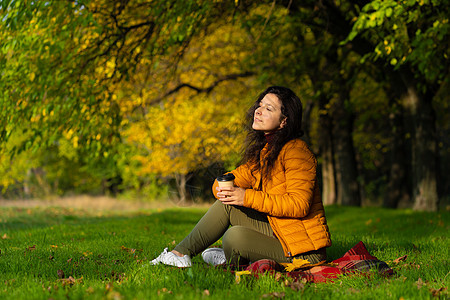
(250, 237)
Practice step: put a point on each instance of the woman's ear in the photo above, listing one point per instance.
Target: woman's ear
(283, 122)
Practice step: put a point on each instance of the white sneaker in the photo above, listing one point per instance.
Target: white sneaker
(214, 256)
(171, 259)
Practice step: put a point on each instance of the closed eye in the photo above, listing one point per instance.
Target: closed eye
(268, 106)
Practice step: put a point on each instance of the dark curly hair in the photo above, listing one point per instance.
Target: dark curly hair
(291, 109)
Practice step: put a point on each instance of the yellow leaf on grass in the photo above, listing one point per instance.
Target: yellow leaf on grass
(239, 274)
(297, 263)
(304, 264)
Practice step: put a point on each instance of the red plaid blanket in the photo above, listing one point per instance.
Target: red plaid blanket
(356, 260)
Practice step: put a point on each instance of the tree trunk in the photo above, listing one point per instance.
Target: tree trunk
(424, 147)
(27, 183)
(181, 187)
(348, 191)
(39, 174)
(181, 180)
(398, 186)
(306, 121)
(327, 162)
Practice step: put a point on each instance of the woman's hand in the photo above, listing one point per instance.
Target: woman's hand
(231, 195)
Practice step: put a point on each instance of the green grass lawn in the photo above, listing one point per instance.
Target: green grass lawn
(61, 253)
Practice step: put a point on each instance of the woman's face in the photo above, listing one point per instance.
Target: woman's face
(268, 116)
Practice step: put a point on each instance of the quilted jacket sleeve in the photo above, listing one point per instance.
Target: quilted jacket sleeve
(299, 166)
(243, 179)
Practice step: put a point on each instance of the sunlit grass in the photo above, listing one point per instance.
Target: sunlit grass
(59, 253)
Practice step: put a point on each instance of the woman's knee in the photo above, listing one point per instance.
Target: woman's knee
(234, 240)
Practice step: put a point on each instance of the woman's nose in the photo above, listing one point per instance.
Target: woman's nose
(257, 111)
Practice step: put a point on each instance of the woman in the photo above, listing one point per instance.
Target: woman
(274, 209)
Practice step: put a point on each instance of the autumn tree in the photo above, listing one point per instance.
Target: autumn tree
(391, 36)
(61, 61)
(95, 73)
(406, 39)
(310, 60)
(65, 64)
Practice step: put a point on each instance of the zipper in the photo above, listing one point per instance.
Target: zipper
(260, 187)
(286, 249)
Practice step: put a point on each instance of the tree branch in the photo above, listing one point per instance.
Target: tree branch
(199, 90)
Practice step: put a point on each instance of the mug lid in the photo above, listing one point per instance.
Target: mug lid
(226, 177)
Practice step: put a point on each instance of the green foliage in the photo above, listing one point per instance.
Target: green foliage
(64, 253)
(62, 59)
(407, 33)
(88, 89)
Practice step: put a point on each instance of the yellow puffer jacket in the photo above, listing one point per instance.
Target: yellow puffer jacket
(291, 199)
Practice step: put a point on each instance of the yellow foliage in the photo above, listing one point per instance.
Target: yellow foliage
(183, 135)
(188, 130)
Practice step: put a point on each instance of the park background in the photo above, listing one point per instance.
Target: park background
(112, 111)
(145, 100)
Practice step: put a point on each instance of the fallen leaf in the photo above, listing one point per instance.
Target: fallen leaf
(60, 274)
(109, 286)
(401, 258)
(438, 292)
(164, 290)
(31, 248)
(46, 289)
(274, 295)
(299, 263)
(206, 292)
(4, 237)
(115, 295)
(239, 274)
(297, 285)
(278, 276)
(420, 283)
(70, 281)
(130, 250)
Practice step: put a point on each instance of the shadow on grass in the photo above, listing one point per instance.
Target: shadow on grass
(17, 218)
(41, 241)
(380, 228)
